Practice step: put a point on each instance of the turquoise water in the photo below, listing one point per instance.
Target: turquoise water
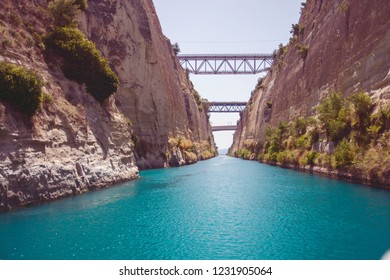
(223, 208)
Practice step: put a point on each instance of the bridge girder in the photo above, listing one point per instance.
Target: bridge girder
(226, 107)
(226, 63)
(223, 127)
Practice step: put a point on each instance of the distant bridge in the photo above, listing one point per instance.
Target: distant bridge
(223, 127)
(226, 63)
(226, 107)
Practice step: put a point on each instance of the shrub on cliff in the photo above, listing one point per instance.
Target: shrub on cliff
(83, 4)
(302, 50)
(63, 12)
(176, 48)
(311, 157)
(299, 126)
(333, 113)
(344, 154)
(380, 121)
(273, 140)
(20, 87)
(297, 29)
(82, 62)
(362, 108)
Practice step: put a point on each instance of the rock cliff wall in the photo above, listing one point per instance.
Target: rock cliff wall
(341, 46)
(154, 93)
(74, 143)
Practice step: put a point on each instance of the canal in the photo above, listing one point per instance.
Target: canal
(223, 208)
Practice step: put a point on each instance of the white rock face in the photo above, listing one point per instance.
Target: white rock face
(154, 92)
(65, 149)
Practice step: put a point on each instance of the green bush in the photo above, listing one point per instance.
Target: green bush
(333, 114)
(282, 50)
(273, 141)
(284, 128)
(299, 126)
(302, 50)
(381, 119)
(297, 29)
(281, 157)
(82, 62)
(303, 142)
(83, 4)
(362, 107)
(176, 48)
(344, 154)
(20, 87)
(337, 129)
(311, 157)
(244, 153)
(64, 11)
(362, 104)
(330, 107)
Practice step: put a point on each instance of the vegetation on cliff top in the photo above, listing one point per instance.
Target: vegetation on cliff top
(20, 87)
(346, 134)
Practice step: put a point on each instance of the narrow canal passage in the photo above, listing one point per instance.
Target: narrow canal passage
(223, 208)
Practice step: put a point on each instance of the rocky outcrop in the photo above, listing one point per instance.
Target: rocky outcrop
(341, 46)
(64, 150)
(74, 144)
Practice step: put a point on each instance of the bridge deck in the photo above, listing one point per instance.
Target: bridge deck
(223, 127)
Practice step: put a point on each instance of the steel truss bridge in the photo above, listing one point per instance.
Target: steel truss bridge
(226, 63)
(238, 64)
(226, 107)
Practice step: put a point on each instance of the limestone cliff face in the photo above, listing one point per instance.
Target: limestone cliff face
(340, 46)
(154, 92)
(74, 143)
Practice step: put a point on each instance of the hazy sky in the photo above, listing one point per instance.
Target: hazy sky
(223, 27)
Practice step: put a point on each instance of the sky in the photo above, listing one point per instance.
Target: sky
(227, 27)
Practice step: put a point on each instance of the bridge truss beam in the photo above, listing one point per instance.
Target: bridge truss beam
(223, 127)
(226, 107)
(226, 63)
